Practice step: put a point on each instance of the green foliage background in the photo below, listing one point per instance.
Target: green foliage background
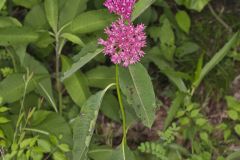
(60, 97)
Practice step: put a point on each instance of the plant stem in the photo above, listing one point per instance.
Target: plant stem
(121, 107)
(57, 70)
(27, 80)
(221, 21)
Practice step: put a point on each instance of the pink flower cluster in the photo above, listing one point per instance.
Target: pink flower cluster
(125, 41)
(123, 8)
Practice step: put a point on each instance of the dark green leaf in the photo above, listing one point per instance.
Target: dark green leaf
(234, 156)
(183, 20)
(136, 84)
(70, 9)
(73, 38)
(2, 3)
(170, 73)
(91, 21)
(140, 7)
(53, 123)
(36, 18)
(101, 76)
(217, 58)
(51, 10)
(232, 114)
(176, 104)
(110, 107)
(80, 63)
(237, 129)
(3, 120)
(26, 3)
(76, 84)
(16, 35)
(9, 22)
(83, 126)
(12, 88)
(197, 5)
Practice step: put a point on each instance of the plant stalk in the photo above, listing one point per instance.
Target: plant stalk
(218, 18)
(121, 107)
(57, 70)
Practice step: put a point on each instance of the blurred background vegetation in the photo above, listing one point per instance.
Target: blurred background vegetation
(192, 57)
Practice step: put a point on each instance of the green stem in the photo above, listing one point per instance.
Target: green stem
(218, 18)
(121, 107)
(57, 68)
(18, 128)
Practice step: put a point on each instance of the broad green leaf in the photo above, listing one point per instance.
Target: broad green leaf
(1, 134)
(89, 47)
(105, 153)
(44, 145)
(237, 129)
(122, 153)
(73, 38)
(28, 142)
(51, 10)
(64, 147)
(233, 103)
(9, 22)
(183, 20)
(16, 35)
(110, 107)
(101, 153)
(166, 33)
(76, 84)
(36, 18)
(186, 48)
(167, 39)
(80, 63)
(140, 7)
(20, 52)
(26, 3)
(101, 76)
(217, 58)
(54, 124)
(39, 117)
(179, 148)
(70, 9)
(232, 114)
(2, 3)
(4, 109)
(44, 42)
(154, 32)
(233, 156)
(137, 86)
(197, 5)
(3, 120)
(169, 72)
(59, 156)
(201, 121)
(84, 125)
(199, 68)
(44, 86)
(148, 16)
(91, 21)
(172, 111)
(12, 88)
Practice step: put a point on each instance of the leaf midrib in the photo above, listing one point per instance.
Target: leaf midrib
(148, 121)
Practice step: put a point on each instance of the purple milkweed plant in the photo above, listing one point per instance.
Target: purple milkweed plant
(125, 41)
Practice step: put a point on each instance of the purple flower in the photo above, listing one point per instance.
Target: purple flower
(123, 8)
(124, 43)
